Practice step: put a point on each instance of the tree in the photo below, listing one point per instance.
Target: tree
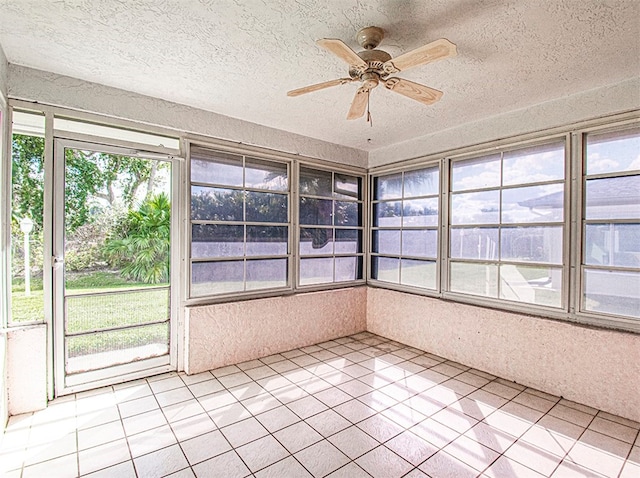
(27, 171)
(89, 177)
(141, 246)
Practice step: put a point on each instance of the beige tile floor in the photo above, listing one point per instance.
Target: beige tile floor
(358, 406)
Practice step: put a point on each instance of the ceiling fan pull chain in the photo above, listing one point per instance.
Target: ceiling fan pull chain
(369, 111)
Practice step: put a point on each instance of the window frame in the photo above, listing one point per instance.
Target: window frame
(580, 177)
(362, 202)
(244, 223)
(498, 302)
(428, 164)
(294, 163)
(573, 246)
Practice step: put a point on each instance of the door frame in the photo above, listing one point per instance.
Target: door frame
(64, 385)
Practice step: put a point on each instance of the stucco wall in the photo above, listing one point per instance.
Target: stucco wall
(224, 334)
(583, 106)
(26, 369)
(50, 88)
(3, 73)
(600, 368)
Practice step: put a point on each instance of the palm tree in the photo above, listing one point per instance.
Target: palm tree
(142, 248)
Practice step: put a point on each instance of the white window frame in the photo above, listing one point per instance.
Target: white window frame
(428, 164)
(572, 275)
(294, 162)
(362, 202)
(564, 266)
(579, 141)
(245, 293)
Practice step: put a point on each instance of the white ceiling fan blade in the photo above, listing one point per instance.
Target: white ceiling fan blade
(319, 86)
(433, 51)
(359, 104)
(412, 90)
(342, 51)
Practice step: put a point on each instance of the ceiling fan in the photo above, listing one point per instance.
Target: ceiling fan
(372, 67)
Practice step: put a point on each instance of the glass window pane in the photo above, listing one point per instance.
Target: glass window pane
(420, 212)
(27, 217)
(533, 204)
(315, 182)
(266, 207)
(613, 152)
(215, 168)
(533, 285)
(266, 274)
(418, 273)
(216, 277)
(265, 175)
(532, 165)
(423, 182)
(387, 214)
(612, 245)
(347, 187)
(267, 240)
(386, 241)
(348, 268)
(420, 242)
(314, 241)
(215, 204)
(348, 241)
(348, 213)
(388, 187)
(385, 269)
(316, 211)
(216, 240)
(477, 243)
(532, 244)
(612, 292)
(316, 271)
(476, 279)
(476, 173)
(613, 198)
(476, 208)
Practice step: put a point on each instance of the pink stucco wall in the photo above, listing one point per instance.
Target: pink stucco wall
(596, 367)
(234, 332)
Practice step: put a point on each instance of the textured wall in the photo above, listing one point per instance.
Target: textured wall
(229, 333)
(27, 369)
(600, 368)
(49, 88)
(3, 73)
(618, 98)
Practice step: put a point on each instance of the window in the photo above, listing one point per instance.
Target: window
(507, 225)
(331, 229)
(611, 224)
(239, 223)
(27, 218)
(404, 236)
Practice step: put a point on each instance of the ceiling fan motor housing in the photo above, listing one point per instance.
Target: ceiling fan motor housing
(375, 63)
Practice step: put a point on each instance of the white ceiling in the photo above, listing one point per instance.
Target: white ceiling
(239, 58)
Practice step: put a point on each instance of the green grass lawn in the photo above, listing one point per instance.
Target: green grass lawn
(31, 308)
(132, 306)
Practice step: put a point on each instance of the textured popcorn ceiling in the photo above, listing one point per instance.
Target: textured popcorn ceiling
(239, 58)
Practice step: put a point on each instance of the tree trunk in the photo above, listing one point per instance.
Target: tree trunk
(152, 179)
